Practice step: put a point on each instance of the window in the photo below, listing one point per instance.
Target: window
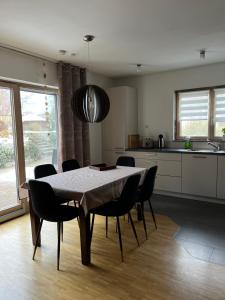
(28, 137)
(39, 118)
(200, 114)
(219, 115)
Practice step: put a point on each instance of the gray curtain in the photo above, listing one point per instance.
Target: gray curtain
(73, 134)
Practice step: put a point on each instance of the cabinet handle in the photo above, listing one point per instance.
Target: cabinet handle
(117, 152)
(199, 156)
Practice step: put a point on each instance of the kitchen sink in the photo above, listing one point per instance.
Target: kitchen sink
(208, 151)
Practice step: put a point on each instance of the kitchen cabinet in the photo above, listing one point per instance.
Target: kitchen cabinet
(196, 175)
(199, 174)
(168, 176)
(121, 119)
(110, 156)
(221, 177)
(168, 184)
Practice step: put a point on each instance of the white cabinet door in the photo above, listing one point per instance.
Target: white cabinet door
(107, 143)
(199, 174)
(108, 157)
(221, 178)
(121, 119)
(144, 163)
(117, 106)
(169, 168)
(113, 126)
(168, 183)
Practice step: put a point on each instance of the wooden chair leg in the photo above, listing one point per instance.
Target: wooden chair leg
(92, 226)
(37, 240)
(128, 219)
(153, 214)
(106, 226)
(120, 238)
(133, 227)
(58, 246)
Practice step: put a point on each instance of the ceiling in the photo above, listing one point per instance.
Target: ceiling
(160, 34)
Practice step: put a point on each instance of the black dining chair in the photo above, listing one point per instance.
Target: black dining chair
(120, 207)
(70, 164)
(144, 194)
(47, 208)
(126, 161)
(45, 170)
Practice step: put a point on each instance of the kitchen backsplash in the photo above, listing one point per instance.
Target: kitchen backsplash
(195, 145)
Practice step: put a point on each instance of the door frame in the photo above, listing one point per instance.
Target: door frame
(16, 113)
(18, 143)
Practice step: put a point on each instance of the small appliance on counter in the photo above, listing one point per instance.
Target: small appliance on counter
(161, 142)
(147, 143)
(133, 141)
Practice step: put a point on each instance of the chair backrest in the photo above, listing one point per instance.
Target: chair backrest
(126, 161)
(69, 165)
(128, 195)
(42, 198)
(148, 184)
(44, 170)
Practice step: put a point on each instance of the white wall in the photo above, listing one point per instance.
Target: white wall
(95, 129)
(21, 67)
(24, 68)
(156, 95)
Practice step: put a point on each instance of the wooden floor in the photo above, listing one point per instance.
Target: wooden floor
(159, 269)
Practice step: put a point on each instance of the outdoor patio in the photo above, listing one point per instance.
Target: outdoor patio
(8, 189)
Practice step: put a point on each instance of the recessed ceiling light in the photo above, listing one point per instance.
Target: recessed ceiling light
(88, 38)
(138, 68)
(62, 52)
(202, 53)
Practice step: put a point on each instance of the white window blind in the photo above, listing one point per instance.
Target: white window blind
(194, 105)
(219, 105)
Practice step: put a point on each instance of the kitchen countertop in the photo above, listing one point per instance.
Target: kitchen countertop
(174, 150)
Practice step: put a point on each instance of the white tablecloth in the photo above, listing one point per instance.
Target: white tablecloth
(91, 187)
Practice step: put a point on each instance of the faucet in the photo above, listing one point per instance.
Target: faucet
(215, 146)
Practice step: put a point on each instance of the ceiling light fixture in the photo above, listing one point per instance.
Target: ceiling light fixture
(62, 52)
(90, 102)
(139, 68)
(202, 53)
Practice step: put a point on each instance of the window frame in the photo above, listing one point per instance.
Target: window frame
(211, 120)
(16, 87)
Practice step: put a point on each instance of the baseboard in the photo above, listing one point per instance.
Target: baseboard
(12, 215)
(192, 197)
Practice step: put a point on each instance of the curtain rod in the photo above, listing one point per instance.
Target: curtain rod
(25, 52)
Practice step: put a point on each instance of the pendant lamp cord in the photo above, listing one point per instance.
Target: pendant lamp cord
(88, 64)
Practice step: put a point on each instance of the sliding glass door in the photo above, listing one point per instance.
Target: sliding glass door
(39, 116)
(28, 137)
(8, 151)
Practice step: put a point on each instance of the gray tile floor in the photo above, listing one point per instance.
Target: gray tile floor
(202, 226)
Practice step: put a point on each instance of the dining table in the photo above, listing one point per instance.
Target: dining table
(90, 188)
